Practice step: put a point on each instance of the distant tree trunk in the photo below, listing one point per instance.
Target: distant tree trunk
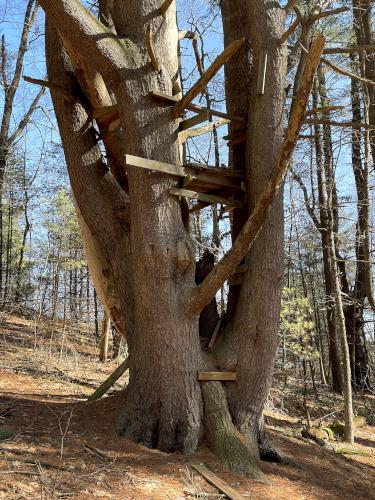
(104, 341)
(355, 310)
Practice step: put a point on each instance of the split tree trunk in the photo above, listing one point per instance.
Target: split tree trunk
(139, 250)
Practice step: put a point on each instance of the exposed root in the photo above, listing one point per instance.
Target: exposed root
(224, 439)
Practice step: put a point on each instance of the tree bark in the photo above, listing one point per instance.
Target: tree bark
(252, 331)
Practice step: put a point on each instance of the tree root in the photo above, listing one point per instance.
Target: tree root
(223, 438)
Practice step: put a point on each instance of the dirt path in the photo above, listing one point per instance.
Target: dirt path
(61, 447)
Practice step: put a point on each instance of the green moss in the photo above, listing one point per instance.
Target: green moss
(337, 428)
(329, 432)
(347, 450)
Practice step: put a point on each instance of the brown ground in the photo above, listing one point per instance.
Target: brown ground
(50, 426)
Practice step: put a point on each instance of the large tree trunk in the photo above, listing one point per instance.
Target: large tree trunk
(139, 249)
(156, 257)
(252, 328)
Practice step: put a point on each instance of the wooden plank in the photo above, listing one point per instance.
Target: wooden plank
(216, 333)
(219, 483)
(204, 79)
(195, 107)
(199, 206)
(109, 381)
(209, 198)
(225, 376)
(214, 180)
(194, 120)
(196, 132)
(158, 166)
(230, 172)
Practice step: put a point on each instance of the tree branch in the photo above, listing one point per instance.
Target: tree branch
(13, 86)
(202, 294)
(4, 62)
(327, 13)
(345, 72)
(48, 85)
(290, 5)
(26, 119)
(309, 208)
(79, 28)
(207, 76)
(349, 50)
(313, 121)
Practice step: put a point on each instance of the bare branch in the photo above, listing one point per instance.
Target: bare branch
(26, 119)
(195, 132)
(349, 50)
(292, 28)
(186, 34)
(207, 76)
(290, 5)
(345, 72)
(4, 62)
(13, 86)
(315, 111)
(313, 121)
(309, 208)
(48, 85)
(328, 13)
(202, 294)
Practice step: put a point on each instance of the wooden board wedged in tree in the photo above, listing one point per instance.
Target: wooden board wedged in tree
(224, 376)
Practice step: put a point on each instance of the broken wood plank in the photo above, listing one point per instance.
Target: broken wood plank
(194, 120)
(219, 483)
(49, 85)
(202, 82)
(158, 166)
(110, 381)
(195, 107)
(209, 198)
(196, 132)
(224, 376)
(210, 179)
